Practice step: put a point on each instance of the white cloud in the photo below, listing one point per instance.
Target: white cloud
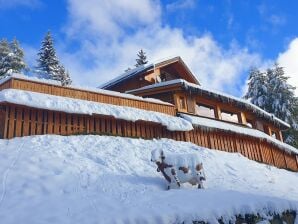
(181, 4)
(110, 17)
(289, 60)
(275, 19)
(111, 32)
(7, 4)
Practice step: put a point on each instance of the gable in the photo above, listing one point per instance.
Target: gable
(165, 70)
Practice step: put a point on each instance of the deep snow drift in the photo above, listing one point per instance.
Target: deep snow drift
(98, 179)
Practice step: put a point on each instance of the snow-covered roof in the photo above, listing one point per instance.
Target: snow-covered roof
(133, 72)
(76, 106)
(126, 75)
(242, 103)
(214, 124)
(89, 89)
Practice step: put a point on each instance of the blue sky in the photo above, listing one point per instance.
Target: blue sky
(219, 39)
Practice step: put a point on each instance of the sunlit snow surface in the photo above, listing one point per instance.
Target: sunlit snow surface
(94, 179)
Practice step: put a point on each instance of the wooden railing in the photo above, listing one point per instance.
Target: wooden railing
(17, 121)
(89, 95)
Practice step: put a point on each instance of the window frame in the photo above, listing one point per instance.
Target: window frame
(211, 107)
(230, 112)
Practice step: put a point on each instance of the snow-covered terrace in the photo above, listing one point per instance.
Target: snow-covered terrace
(77, 106)
(223, 97)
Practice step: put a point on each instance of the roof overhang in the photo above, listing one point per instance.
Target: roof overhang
(179, 84)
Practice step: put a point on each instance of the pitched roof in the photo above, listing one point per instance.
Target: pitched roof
(144, 68)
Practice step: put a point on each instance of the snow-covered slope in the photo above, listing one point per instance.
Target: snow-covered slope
(98, 179)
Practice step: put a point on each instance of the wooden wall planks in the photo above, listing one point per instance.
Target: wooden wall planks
(17, 121)
(86, 95)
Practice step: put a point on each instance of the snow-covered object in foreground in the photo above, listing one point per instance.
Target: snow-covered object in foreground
(179, 168)
(214, 124)
(76, 106)
(98, 179)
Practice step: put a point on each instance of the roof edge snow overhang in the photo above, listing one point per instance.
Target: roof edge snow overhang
(196, 89)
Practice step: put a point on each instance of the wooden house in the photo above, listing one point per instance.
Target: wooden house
(171, 81)
(160, 100)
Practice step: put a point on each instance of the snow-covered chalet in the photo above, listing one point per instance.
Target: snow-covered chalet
(159, 100)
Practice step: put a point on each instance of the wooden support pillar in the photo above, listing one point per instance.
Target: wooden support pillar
(217, 112)
(279, 136)
(242, 118)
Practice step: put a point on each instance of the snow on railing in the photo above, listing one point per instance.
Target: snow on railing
(76, 106)
(90, 89)
(214, 124)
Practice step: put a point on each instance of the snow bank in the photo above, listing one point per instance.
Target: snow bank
(70, 105)
(214, 124)
(90, 89)
(98, 179)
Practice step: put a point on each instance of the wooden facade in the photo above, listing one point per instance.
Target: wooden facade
(18, 121)
(186, 101)
(52, 89)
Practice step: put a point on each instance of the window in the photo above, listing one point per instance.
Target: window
(182, 103)
(229, 116)
(205, 111)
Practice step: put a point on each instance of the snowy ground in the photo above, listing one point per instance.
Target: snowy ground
(97, 179)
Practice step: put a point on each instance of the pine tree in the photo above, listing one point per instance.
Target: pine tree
(64, 77)
(49, 66)
(17, 57)
(48, 63)
(4, 58)
(142, 58)
(257, 90)
(280, 94)
(11, 58)
(291, 135)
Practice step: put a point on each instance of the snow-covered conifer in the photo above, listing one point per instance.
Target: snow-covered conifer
(291, 135)
(64, 77)
(257, 90)
(142, 58)
(280, 94)
(17, 57)
(4, 58)
(11, 58)
(49, 66)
